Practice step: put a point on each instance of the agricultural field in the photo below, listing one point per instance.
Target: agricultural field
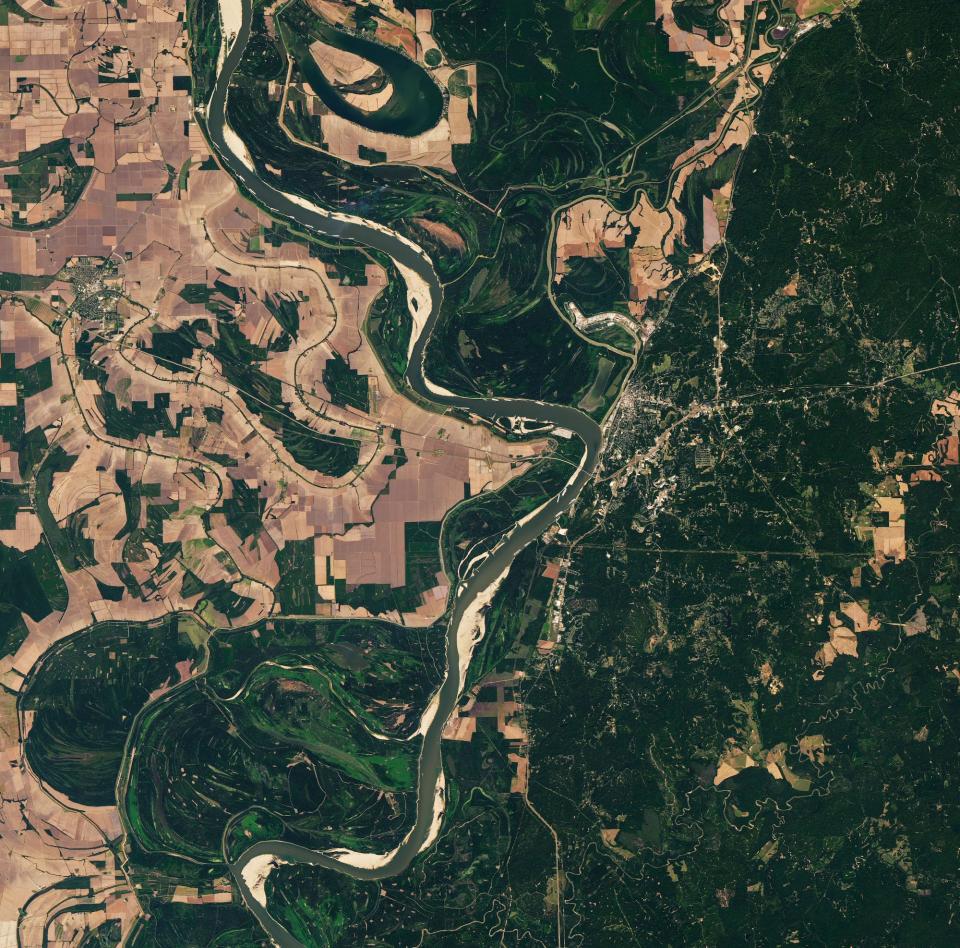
(479, 473)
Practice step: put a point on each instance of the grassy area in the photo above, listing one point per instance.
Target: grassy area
(345, 385)
(31, 182)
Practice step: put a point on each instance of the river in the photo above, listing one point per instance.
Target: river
(418, 270)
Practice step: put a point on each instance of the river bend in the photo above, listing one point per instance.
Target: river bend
(409, 258)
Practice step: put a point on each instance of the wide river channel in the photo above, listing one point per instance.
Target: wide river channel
(407, 256)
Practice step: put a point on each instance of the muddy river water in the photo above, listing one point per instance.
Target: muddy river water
(478, 586)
